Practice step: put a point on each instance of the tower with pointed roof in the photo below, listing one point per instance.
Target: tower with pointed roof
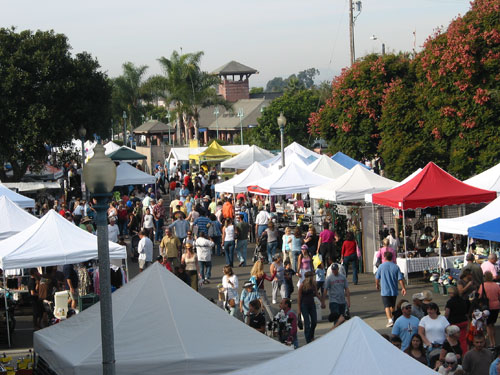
(234, 80)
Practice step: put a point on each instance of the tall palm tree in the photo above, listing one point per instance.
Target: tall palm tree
(128, 91)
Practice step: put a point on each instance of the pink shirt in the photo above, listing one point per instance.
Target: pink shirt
(327, 236)
(488, 266)
(383, 250)
(493, 293)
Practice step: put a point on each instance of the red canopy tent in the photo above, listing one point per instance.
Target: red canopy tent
(432, 187)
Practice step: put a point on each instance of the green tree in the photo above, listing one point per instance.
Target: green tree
(256, 90)
(302, 80)
(297, 107)
(46, 95)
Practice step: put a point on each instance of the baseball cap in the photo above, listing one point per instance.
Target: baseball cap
(304, 247)
(335, 266)
(248, 284)
(405, 304)
(419, 296)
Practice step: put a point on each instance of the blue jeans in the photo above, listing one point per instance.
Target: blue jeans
(295, 259)
(218, 248)
(241, 251)
(271, 250)
(158, 229)
(353, 258)
(261, 229)
(205, 266)
(229, 250)
(310, 319)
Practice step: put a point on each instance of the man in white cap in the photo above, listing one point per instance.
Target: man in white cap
(416, 309)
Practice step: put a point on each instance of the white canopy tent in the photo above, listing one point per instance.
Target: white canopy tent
(13, 219)
(240, 182)
(292, 179)
(20, 200)
(89, 148)
(181, 154)
(488, 180)
(161, 326)
(460, 225)
(291, 158)
(352, 186)
(327, 167)
(297, 148)
(50, 241)
(352, 348)
(128, 175)
(247, 158)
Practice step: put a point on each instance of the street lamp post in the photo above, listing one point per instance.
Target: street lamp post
(100, 176)
(168, 123)
(124, 128)
(83, 132)
(374, 37)
(240, 115)
(281, 124)
(216, 113)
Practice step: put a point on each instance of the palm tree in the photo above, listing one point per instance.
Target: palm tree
(128, 91)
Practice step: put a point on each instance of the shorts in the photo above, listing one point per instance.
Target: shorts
(389, 301)
(73, 296)
(143, 264)
(492, 319)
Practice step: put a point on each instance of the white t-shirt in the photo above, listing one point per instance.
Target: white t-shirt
(262, 218)
(434, 328)
(78, 210)
(229, 233)
(145, 249)
(148, 221)
(204, 249)
(393, 243)
(231, 290)
(113, 232)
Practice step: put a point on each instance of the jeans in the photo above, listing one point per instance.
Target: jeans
(353, 258)
(218, 248)
(295, 259)
(205, 266)
(241, 251)
(271, 250)
(158, 229)
(310, 320)
(122, 227)
(229, 250)
(260, 229)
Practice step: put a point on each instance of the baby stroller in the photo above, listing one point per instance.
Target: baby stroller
(260, 252)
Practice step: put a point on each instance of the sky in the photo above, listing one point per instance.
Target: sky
(276, 37)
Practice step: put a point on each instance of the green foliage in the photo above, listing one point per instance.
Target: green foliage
(296, 107)
(442, 106)
(256, 90)
(46, 95)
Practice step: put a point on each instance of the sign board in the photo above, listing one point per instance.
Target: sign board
(342, 210)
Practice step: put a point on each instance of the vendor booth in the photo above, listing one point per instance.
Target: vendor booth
(13, 219)
(247, 158)
(214, 153)
(240, 182)
(129, 175)
(489, 230)
(51, 240)
(20, 200)
(126, 153)
(346, 161)
(327, 167)
(292, 179)
(352, 348)
(161, 326)
(432, 187)
(489, 179)
(290, 158)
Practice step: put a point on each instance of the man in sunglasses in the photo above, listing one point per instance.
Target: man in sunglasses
(405, 326)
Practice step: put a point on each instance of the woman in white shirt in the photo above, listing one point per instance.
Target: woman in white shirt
(228, 241)
(230, 285)
(432, 330)
(148, 223)
(287, 244)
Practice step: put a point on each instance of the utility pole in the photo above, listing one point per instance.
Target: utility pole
(351, 32)
(352, 20)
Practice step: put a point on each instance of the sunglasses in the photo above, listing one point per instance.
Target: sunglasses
(450, 363)
(407, 307)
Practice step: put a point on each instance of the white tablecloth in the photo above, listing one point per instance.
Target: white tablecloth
(426, 263)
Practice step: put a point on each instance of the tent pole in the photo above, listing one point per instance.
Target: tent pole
(491, 250)
(6, 307)
(406, 251)
(126, 267)
(374, 234)
(441, 263)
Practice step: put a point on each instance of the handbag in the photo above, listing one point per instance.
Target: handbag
(358, 251)
(482, 301)
(300, 324)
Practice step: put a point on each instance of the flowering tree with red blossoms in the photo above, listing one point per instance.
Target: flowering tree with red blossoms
(444, 105)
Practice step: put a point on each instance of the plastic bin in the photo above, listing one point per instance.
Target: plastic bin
(84, 302)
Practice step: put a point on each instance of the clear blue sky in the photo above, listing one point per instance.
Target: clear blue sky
(276, 37)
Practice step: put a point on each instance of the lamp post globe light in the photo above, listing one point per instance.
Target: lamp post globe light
(99, 175)
(216, 113)
(281, 124)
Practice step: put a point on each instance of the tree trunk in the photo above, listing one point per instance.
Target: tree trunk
(186, 127)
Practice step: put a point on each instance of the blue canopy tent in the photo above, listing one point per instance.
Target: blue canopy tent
(346, 161)
(489, 230)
